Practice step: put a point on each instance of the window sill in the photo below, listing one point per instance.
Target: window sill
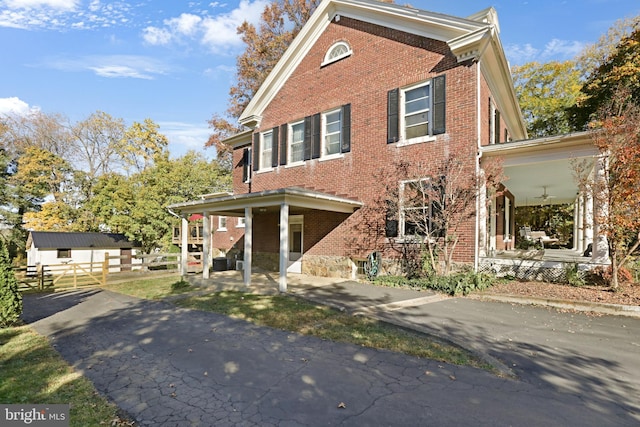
(413, 141)
(221, 229)
(264, 170)
(331, 157)
(294, 164)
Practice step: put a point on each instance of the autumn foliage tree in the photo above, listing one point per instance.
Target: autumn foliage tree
(280, 22)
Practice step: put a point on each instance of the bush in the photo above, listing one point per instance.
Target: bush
(10, 297)
(573, 276)
(454, 284)
(180, 285)
(602, 275)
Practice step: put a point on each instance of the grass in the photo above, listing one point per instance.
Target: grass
(297, 315)
(156, 288)
(34, 373)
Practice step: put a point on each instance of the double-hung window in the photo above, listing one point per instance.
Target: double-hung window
(332, 132)
(416, 113)
(296, 142)
(421, 203)
(266, 150)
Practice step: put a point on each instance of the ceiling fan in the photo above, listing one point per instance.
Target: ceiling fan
(545, 196)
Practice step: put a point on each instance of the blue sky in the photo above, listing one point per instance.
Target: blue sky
(173, 61)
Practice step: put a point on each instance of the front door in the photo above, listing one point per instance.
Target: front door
(295, 244)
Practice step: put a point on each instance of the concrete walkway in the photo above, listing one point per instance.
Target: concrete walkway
(174, 367)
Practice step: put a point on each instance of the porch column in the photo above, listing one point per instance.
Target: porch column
(482, 220)
(184, 249)
(284, 246)
(493, 226)
(600, 252)
(578, 230)
(587, 223)
(248, 243)
(206, 244)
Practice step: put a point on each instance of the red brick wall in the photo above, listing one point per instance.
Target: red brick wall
(382, 60)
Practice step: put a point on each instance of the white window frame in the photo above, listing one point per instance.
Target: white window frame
(265, 163)
(403, 133)
(402, 209)
(222, 223)
(290, 143)
(324, 136)
(241, 222)
(331, 55)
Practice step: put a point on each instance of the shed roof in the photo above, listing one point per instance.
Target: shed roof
(71, 240)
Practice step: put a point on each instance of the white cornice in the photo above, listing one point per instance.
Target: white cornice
(469, 39)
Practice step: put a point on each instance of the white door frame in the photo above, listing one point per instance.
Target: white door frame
(294, 259)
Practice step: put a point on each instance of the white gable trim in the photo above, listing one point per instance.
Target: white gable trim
(468, 37)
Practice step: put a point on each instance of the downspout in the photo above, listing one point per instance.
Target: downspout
(478, 157)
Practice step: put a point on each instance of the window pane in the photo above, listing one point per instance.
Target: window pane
(332, 133)
(416, 112)
(266, 147)
(297, 142)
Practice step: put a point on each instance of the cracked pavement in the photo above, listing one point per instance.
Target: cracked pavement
(167, 366)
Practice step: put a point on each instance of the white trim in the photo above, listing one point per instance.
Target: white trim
(328, 60)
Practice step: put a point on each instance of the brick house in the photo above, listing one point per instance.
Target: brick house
(364, 87)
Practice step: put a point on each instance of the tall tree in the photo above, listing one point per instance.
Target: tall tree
(616, 133)
(620, 68)
(545, 92)
(280, 22)
(141, 145)
(97, 140)
(10, 297)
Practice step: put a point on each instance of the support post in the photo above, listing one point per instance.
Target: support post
(184, 253)
(248, 243)
(600, 252)
(206, 244)
(284, 246)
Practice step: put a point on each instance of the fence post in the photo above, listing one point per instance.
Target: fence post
(40, 276)
(105, 268)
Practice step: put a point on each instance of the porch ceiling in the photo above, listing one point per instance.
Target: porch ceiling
(533, 166)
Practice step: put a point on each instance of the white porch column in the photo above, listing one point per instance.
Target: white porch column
(284, 246)
(587, 223)
(248, 243)
(493, 226)
(482, 221)
(184, 250)
(578, 230)
(601, 211)
(206, 244)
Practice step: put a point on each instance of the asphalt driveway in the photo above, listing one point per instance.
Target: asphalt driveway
(167, 366)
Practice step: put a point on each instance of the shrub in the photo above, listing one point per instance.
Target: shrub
(602, 275)
(10, 297)
(454, 284)
(573, 276)
(180, 285)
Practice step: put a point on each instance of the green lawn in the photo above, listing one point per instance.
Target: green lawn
(32, 372)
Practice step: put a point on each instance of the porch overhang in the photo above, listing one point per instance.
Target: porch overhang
(536, 166)
(295, 197)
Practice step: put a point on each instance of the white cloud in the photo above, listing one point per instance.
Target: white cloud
(15, 105)
(33, 4)
(127, 66)
(556, 49)
(218, 33)
(186, 136)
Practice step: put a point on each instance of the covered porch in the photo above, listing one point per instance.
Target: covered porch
(283, 210)
(542, 173)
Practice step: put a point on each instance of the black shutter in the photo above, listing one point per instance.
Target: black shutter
(256, 151)
(283, 144)
(497, 127)
(315, 136)
(393, 131)
(307, 137)
(246, 165)
(275, 139)
(345, 143)
(439, 105)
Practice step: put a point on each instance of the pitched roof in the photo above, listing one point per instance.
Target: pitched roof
(473, 38)
(55, 239)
